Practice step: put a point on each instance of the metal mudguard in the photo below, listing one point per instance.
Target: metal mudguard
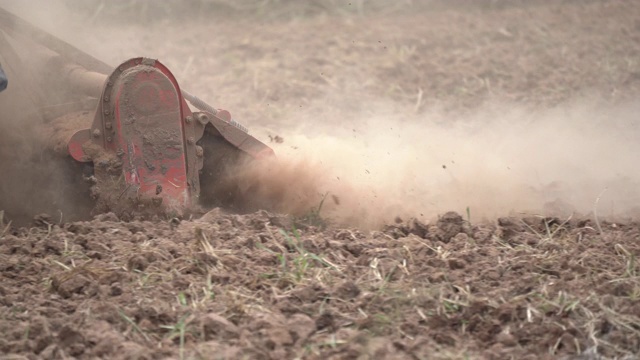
(144, 142)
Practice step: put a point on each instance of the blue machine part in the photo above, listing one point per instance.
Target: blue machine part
(3, 79)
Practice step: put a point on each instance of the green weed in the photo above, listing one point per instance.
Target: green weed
(178, 329)
(313, 217)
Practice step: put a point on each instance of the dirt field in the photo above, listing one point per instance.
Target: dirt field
(277, 286)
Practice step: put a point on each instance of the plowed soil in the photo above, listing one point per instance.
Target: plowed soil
(276, 286)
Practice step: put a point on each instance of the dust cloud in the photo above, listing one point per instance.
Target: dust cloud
(494, 161)
(33, 179)
(376, 162)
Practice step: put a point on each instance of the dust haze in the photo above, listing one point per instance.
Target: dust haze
(383, 159)
(494, 161)
(33, 180)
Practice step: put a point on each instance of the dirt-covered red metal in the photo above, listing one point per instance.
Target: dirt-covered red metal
(144, 141)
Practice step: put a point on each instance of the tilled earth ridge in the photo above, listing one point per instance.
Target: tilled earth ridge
(251, 286)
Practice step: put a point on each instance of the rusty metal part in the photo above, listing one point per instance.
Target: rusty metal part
(145, 142)
(137, 140)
